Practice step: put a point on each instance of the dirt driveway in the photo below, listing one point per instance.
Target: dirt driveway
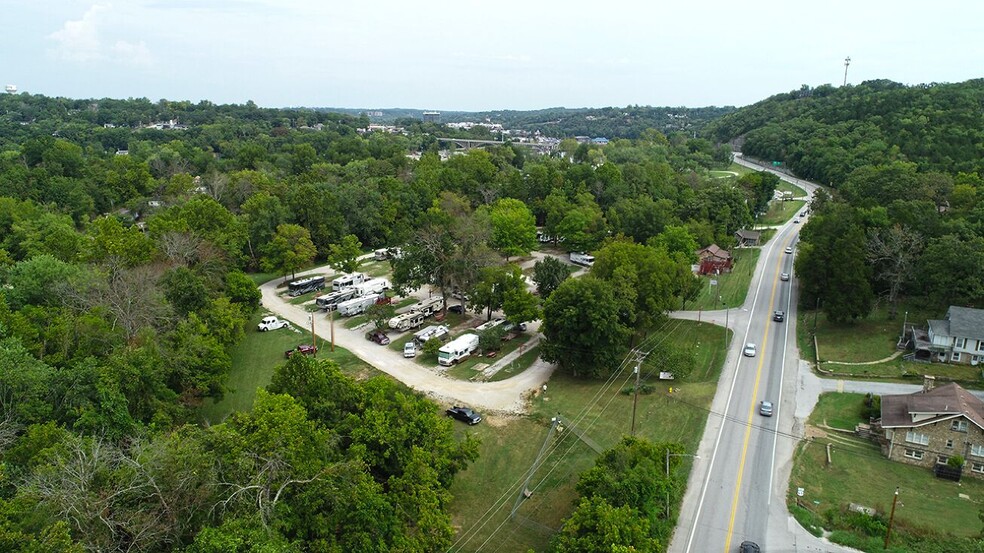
(506, 396)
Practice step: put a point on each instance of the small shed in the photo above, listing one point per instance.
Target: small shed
(714, 260)
(748, 238)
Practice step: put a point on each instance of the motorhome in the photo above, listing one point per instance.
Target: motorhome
(330, 301)
(311, 284)
(583, 259)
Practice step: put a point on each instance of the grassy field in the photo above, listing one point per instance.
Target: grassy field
(865, 340)
(731, 287)
(788, 187)
(839, 410)
(255, 358)
(780, 212)
(521, 363)
(860, 474)
(485, 493)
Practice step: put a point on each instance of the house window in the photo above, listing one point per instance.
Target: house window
(980, 345)
(949, 444)
(914, 454)
(942, 459)
(955, 356)
(959, 342)
(916, 438)
(977, 450)
(959, 426)
(977, 467)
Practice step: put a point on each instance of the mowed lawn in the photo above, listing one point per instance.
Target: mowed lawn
(731, 287)
(860, 474)
(780, 212)
(255, 358)
(486, 493)
(865, 340)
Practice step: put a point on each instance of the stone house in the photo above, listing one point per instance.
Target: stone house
(926, 428)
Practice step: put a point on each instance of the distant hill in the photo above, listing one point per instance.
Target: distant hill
(824, 133)
(610, 122)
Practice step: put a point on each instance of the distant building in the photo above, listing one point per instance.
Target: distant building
(432, 116)
(714, 260)
(956, 338)
(600, 141)
(748, 238)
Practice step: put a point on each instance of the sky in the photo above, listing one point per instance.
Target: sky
(470, 55)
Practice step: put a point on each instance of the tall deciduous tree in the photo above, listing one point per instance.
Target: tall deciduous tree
(893, 253)
(289, 250)
(583, 329)
(513, 227)
(344, 256)
(548, 274)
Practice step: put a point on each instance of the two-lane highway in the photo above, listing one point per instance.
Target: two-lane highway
(737, 487)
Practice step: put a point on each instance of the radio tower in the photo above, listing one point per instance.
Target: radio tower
(847, 62)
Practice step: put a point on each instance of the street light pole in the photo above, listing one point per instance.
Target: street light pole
(891, 518)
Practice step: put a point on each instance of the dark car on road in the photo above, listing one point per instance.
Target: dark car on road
(464, 414)
(304, 349)
(378, 336)
(779, 316)
(457, 308)
(749, 547)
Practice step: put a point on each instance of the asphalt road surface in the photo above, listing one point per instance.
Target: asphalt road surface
(737, 488)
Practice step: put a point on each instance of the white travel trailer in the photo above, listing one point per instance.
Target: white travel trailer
(457, 349)
(357, 305)
(348, 281)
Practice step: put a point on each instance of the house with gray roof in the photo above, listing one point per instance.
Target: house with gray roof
(928, 427)
(957, 338)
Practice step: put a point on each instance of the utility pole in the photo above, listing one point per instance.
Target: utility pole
(314, 337)
(331, 322)
(891, 518)
(635, 396)
(847, 62)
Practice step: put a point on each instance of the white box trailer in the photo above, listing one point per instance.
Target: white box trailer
(348, 281)
(357, 305)
(457, 349)
(330, 301)
(372, 286)
(433, 331)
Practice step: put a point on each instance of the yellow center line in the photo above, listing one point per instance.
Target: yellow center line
(751, 409)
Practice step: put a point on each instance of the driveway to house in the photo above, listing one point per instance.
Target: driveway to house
(504, 396)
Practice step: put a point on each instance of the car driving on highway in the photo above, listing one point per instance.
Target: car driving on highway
(749, 350)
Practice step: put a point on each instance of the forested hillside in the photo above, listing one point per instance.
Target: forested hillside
(825, 133)
(127, 229)
(904, 218)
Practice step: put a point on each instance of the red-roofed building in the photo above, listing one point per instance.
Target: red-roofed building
(714, 260)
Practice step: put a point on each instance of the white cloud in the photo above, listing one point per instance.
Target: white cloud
(78, 40)
(82, 40)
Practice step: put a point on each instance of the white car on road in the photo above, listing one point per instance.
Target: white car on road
(749, 350)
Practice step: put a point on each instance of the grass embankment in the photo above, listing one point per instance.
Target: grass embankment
(780, 212)
(255, 358)
(788, 187)
(874, 339)
(731, 287)
(860, 474)
(485, 493)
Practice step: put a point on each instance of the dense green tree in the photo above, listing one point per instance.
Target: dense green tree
(344, 256)
(290, 249)
(952, 279)
(184, 290)
(596, 526)
(582, 328)
(832, 267)
(489, 293)
(548, 274)
(513, 227)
